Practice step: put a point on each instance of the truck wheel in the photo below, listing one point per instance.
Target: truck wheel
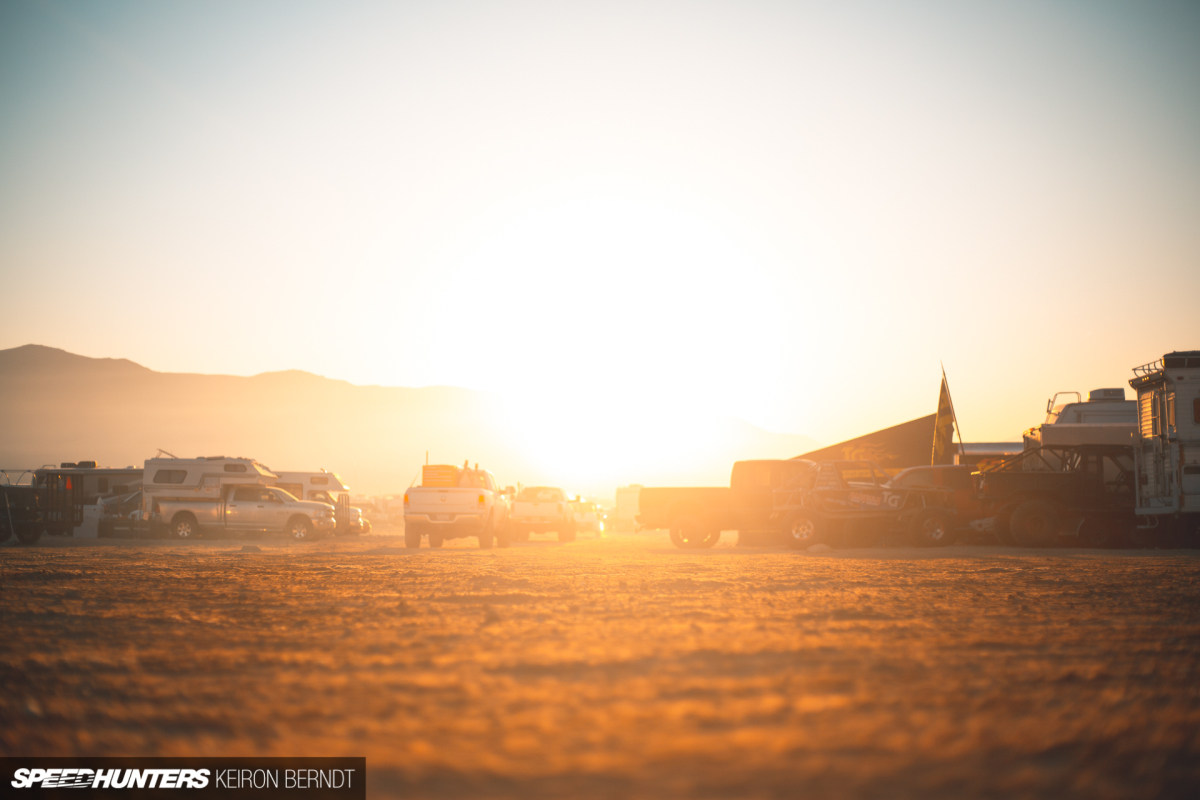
(301, 530)
(689, 530)
(184, 527)
(436, 540)
(28, 533)
(412, 536)
(523, 536)
(710, 540)
(1034, 524)
(802, 530)
(487, 535)
(931, 528)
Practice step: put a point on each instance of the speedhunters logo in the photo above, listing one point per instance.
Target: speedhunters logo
(230, 778)
(110, 779)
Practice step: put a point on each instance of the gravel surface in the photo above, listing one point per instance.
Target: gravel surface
(618, 668)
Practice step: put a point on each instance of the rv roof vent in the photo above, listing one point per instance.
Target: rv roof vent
(1101, 395)
(86, 465)
(66, 465)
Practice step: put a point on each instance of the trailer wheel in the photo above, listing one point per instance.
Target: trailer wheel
(184, 527)
(690, 531)
(802, 529)
(931, 528)
(301, 530)
(1034, 524)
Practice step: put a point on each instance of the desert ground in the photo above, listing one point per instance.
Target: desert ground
(619, 667)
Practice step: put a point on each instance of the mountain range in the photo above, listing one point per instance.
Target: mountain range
(56, 406)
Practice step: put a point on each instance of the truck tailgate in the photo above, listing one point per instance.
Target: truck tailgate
(444, 501)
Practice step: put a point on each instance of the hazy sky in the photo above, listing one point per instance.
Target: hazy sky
(785, 212)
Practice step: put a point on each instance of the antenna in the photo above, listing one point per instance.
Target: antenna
(162, 452)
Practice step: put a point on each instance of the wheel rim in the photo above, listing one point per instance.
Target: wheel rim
(299, 531)
(802, 529)
(934, 529)
(183, 529)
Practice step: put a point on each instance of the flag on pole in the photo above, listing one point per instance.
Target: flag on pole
(943, 427)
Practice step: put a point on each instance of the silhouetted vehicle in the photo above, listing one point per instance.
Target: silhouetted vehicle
(1080, 495)
(697, 515)
(120, 513)
(940, 505)
(541, 509)
(21, 506)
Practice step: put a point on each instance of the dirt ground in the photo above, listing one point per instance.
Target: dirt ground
(620, 668)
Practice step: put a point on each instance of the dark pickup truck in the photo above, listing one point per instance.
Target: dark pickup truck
(697, 515)
(1080, 495)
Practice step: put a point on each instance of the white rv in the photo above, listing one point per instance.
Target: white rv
(1166, 446)
(1106, 418)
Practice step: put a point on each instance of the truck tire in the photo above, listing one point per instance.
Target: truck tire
(567, 534)
(184, 526)
(300, 529)
(523, 536)
(802, 530)
(487, 534)
(435, 539)
(690, 531)
(28, 532)
(1034, 523)
(930, 528)
(412, 536)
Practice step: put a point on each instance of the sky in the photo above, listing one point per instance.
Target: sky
(788, 213)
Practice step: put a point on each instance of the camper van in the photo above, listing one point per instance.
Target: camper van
(191, 496)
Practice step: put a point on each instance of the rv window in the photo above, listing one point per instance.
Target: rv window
(235, 467)
(170, 476)
(319, 481)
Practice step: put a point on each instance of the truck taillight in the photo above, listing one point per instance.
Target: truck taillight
(481, 499)
(406, 499)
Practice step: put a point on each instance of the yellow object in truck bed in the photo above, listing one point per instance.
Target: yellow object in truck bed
(439, 476)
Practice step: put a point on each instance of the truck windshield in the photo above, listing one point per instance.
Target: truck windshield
(540, 494)
(285, 496)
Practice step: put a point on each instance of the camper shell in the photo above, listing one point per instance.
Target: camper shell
(1166, 443)
(1105, 419)
(200, 480)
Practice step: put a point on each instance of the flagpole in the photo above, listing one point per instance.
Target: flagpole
(962, 449)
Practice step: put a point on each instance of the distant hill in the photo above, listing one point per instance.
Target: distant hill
(57, 406)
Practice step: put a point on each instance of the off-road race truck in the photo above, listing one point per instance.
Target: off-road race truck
(1082, 495)
(855, 503)
(697, 515)
(456, 502)
(541, 509)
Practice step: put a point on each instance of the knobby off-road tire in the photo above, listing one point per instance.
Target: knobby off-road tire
(1034, 523)
(184, 526)
(931, 528)
(692, 532)
(802, 530)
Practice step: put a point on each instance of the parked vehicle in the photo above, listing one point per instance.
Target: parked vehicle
(541, 509)
(697, 515)
(1167, 445)
(325, 487)
(587, 516)
(22, 504)
(1068, 494)
(623, 516)
(942, 501)
(120, 513)
(456, 502)
(191, 497)
(1107, 418)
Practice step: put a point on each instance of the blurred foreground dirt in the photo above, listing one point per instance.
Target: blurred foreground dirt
(617, 668)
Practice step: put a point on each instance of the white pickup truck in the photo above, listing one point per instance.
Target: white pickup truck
(455, 502)
(541, 509)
